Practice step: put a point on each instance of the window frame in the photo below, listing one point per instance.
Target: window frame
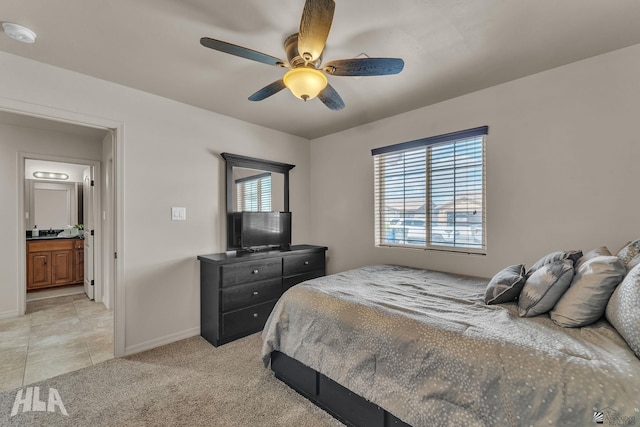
(381, 231)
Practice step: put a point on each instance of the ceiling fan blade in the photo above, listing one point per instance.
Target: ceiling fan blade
(331, 99)
(315, 24)
(364, 67)
(267, 91)
(240, 51)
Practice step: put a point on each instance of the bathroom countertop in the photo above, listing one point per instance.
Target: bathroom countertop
(54, 237)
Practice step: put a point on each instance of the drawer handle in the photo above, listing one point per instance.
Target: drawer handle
(306, 263)
(255, 293)
(254, 272)
(255, 315)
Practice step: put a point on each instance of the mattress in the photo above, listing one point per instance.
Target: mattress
(423, 345)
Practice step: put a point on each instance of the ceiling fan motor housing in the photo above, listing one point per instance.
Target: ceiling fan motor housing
(293, 56)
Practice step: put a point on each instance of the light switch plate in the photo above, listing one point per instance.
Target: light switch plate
(178, 214)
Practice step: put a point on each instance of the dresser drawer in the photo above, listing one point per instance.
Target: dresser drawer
(247, 319)
(245, 295)
(300, 264)
(294, 280)
(251, 271)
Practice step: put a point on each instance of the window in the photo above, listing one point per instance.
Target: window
(430, 193)
(254, 193)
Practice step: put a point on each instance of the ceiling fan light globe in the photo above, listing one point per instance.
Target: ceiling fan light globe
(305, 83)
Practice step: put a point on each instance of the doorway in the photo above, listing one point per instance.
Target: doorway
(63, 200)
(111, 271)
(106, 267)
(65, 324)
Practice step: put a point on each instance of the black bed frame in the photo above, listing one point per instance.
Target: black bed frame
(327, 394)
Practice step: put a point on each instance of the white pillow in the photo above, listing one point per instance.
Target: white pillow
(586, 300)
(623, 310)
(630, 254)
(601, 251)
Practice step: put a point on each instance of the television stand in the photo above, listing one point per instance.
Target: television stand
(238, 290)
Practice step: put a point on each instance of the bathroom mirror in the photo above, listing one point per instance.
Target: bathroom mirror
(51, 205)
(255, 185)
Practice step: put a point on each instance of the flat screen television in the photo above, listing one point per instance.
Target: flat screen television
(261, 229)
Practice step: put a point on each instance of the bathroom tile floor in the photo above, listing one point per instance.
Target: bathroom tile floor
(55, 336)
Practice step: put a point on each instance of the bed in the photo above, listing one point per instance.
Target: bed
(415, 347)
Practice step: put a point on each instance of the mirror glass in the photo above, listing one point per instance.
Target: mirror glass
(53, 205)
(256, 190)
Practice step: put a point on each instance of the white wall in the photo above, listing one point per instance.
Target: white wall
(171, 158)
(562, 151)
(562, 168)
(15, 139)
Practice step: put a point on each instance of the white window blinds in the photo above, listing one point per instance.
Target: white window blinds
(254, 193)
(430, 193)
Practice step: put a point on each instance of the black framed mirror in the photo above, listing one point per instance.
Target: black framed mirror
(254, 185)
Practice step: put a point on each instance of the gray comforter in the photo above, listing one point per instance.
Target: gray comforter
(423, 345)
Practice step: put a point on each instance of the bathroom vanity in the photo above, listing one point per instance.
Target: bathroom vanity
(54, 262)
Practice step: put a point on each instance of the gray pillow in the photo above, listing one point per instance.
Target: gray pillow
(506, 285)
(601, 251)
(630, 254)
(623, 310)
(586, 300)
(573, 256)
(544, 288)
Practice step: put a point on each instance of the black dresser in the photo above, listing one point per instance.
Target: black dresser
(238, 292)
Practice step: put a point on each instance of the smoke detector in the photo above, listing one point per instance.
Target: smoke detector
(19, 33)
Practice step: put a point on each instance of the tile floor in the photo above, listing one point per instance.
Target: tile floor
(55, 336)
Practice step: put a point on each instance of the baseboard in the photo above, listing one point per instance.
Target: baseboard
(14, 313)
(168, 339)
(54, 293)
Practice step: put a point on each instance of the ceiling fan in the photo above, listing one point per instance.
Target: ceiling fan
(306, 77)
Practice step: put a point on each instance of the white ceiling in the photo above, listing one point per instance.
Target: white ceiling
(450, 47)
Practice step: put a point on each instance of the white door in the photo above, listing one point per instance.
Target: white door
(89, 222)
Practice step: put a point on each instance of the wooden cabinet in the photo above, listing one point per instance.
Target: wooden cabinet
(238, 292)
(54, 262)
(38, 269)
(61, 267)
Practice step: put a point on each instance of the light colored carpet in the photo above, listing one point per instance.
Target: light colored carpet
(188, 383)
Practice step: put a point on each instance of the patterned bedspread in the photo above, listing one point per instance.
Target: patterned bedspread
(423, 345)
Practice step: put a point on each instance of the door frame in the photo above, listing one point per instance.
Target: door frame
(116, 200)
(97, 207)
